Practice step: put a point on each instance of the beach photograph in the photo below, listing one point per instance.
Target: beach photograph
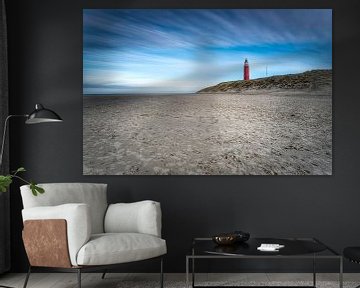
(207, 92)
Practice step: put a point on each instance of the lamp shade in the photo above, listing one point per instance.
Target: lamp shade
(42, 115)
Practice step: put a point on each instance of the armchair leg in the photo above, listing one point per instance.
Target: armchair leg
(79, 277)
(27, 277)
(161, 273)
(103, 275)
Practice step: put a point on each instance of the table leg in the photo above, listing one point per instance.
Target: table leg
(341, 273)
(193, 272)
(314, 271)
(193, 267)
(187, 272)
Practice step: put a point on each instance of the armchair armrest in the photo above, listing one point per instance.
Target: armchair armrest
(138, 217)
(77, 217)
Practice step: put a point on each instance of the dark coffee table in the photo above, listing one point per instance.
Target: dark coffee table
(295, 248)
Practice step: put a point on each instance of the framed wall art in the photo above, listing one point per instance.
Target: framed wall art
(207, 91)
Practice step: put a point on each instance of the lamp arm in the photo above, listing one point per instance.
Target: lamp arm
(4, 134)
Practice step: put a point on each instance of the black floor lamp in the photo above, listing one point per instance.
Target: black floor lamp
(39, 115)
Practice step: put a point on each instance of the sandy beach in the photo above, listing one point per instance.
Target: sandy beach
(271, 132)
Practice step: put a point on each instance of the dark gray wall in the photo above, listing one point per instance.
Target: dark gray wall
(45, 43)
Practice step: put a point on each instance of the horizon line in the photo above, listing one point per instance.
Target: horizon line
(194, 92)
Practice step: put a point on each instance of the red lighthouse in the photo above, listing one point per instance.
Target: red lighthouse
(246, 70)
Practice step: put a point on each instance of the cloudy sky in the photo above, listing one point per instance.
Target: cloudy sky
(176, 51)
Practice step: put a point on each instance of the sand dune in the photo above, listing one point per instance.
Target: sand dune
(260, 132)
(309, 80)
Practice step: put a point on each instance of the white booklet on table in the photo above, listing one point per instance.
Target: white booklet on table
(270, 247)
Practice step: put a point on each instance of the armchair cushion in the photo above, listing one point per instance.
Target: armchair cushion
(138, 217)
(92, 194)
(78, 221)
(113, 248)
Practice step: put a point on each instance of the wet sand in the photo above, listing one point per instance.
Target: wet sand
(272, 132)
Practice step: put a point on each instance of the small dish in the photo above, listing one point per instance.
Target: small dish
(225, 239)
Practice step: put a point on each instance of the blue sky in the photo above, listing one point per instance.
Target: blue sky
(184, 50)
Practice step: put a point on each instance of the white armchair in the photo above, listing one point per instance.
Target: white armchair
(72, 228)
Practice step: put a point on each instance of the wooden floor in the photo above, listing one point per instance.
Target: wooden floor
(113, 280)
